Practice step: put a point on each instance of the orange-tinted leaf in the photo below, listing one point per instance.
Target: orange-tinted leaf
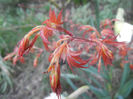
(59, 17)
(131, 66)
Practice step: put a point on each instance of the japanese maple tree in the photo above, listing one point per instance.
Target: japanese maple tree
(99, 45)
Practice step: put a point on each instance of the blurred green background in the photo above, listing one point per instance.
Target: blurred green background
(17, 17)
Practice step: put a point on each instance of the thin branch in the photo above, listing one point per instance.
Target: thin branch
(16, 27)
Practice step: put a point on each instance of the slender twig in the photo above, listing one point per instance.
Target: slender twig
(16, 27)
(83, 39)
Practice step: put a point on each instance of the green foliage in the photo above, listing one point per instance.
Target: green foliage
(5, 69)
(104, 9)
(82, 15)
(69, 81)
(106, 90)
(11, 5)
(125, 75)
(5, 77)
(103, 83)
